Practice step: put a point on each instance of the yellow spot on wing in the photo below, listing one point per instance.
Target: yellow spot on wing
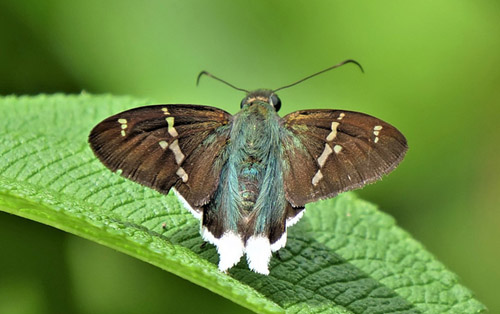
(317, 177)
(163, 144)
(326, 152)
(182, 174)
(171, 130)
(123, 124)
(179, 156)
(333, 133)
(376, 132)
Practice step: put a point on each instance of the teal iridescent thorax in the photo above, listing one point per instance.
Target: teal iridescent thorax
(250, 192)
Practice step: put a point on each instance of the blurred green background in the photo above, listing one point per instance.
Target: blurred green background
(432, 70)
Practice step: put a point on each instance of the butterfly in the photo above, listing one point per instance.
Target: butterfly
(248, 176)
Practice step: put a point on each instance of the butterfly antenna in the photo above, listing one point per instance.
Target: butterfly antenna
(218, 79)
(323, 71)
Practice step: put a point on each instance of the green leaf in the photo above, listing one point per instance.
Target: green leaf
(345, 256)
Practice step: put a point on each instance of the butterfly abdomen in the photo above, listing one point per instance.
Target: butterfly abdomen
(248, 181)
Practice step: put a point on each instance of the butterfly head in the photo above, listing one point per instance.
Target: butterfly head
(262, 95)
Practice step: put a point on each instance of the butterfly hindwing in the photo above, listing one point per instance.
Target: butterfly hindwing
(164, 145)
(331, 151)
(204, 165)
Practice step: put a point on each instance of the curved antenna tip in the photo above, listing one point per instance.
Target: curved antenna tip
(200, 75)
(218, 79)
(352, 61)
(323, 71)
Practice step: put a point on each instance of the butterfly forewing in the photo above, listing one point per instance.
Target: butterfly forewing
(330, 151)
(162, 145)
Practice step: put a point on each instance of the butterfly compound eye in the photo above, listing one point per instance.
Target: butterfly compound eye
(243, 102)
(275, 102)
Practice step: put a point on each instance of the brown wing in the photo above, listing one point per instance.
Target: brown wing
(162, 145)
(330, 151)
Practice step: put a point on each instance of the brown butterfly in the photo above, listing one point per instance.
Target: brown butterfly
(248, 176)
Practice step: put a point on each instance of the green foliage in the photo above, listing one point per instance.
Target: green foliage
(344, 257)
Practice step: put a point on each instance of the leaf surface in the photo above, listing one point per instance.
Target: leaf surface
(345, 256)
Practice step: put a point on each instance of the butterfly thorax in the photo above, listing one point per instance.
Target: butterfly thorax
(253, 149)
(251, 180)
